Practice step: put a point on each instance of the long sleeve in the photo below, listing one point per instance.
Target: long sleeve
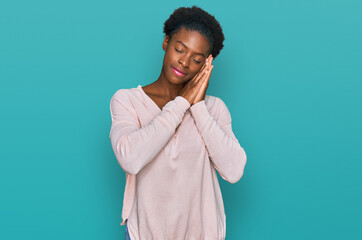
(224, 150)
(135, 146)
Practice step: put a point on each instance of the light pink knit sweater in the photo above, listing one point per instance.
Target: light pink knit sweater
(170, 156)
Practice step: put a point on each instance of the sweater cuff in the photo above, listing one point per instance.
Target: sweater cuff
(200, 112)
(182, 103)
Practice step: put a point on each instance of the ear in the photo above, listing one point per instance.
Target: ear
(165, 43)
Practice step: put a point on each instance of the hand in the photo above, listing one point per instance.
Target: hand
(193, 87)
(205, 81)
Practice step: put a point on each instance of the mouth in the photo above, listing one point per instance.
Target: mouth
(178, 72)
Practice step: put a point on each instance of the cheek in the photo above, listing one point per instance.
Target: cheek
(194, 72)
(197, 68)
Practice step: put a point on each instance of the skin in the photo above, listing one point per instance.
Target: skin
(188, 51)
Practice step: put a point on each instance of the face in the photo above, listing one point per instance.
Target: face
(185, 54)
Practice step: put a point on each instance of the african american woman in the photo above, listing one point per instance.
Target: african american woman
(170, 138)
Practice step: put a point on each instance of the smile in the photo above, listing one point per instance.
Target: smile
(178, 73)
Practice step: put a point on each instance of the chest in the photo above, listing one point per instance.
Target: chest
(186, 140)
(159, 101)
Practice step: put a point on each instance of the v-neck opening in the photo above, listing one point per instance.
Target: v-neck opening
(149, 98)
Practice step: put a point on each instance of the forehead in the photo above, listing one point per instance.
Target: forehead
(194, 40)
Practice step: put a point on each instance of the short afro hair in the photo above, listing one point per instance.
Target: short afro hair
(196, 19)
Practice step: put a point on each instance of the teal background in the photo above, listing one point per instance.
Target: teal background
(290, 74)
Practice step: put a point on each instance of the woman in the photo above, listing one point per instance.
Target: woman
(169, 137)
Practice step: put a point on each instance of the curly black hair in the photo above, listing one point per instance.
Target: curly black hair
(196, 19)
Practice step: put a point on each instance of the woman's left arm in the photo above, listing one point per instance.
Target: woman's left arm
(224, 150)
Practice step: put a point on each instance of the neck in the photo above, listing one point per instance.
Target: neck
(166, 88)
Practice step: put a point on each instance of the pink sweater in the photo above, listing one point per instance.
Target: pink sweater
(170, 156)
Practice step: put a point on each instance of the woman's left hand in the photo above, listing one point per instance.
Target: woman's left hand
(208, 68)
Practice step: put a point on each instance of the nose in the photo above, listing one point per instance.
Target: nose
(184, 61)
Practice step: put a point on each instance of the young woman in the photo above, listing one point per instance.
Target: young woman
(170, 138)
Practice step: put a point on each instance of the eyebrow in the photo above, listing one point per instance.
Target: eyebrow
(187, 48)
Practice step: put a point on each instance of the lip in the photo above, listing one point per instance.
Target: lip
(178, 72)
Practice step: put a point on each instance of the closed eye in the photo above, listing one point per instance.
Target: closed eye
(177, 50)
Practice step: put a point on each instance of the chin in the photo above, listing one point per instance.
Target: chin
(172, 78)
(176, 81)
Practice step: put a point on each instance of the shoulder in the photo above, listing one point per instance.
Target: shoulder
(127, 96)
(125, 93)
(124, 100)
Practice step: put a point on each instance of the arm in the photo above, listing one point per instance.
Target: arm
(135, 146)
(225, 152)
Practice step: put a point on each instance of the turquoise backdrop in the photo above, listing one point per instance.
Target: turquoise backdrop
(290, 74)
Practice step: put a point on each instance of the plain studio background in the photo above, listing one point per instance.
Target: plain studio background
(290, 74)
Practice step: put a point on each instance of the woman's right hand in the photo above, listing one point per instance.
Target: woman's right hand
(192, 87)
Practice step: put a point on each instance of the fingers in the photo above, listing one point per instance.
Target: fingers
(204, 70)
(196, 87)
(201, 71)
(202, 85)
(208, 75)
(208, 68)
(204, 79)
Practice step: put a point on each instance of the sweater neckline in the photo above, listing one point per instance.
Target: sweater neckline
(149, 98)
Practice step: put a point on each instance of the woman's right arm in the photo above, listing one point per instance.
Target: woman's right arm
(136, 146)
